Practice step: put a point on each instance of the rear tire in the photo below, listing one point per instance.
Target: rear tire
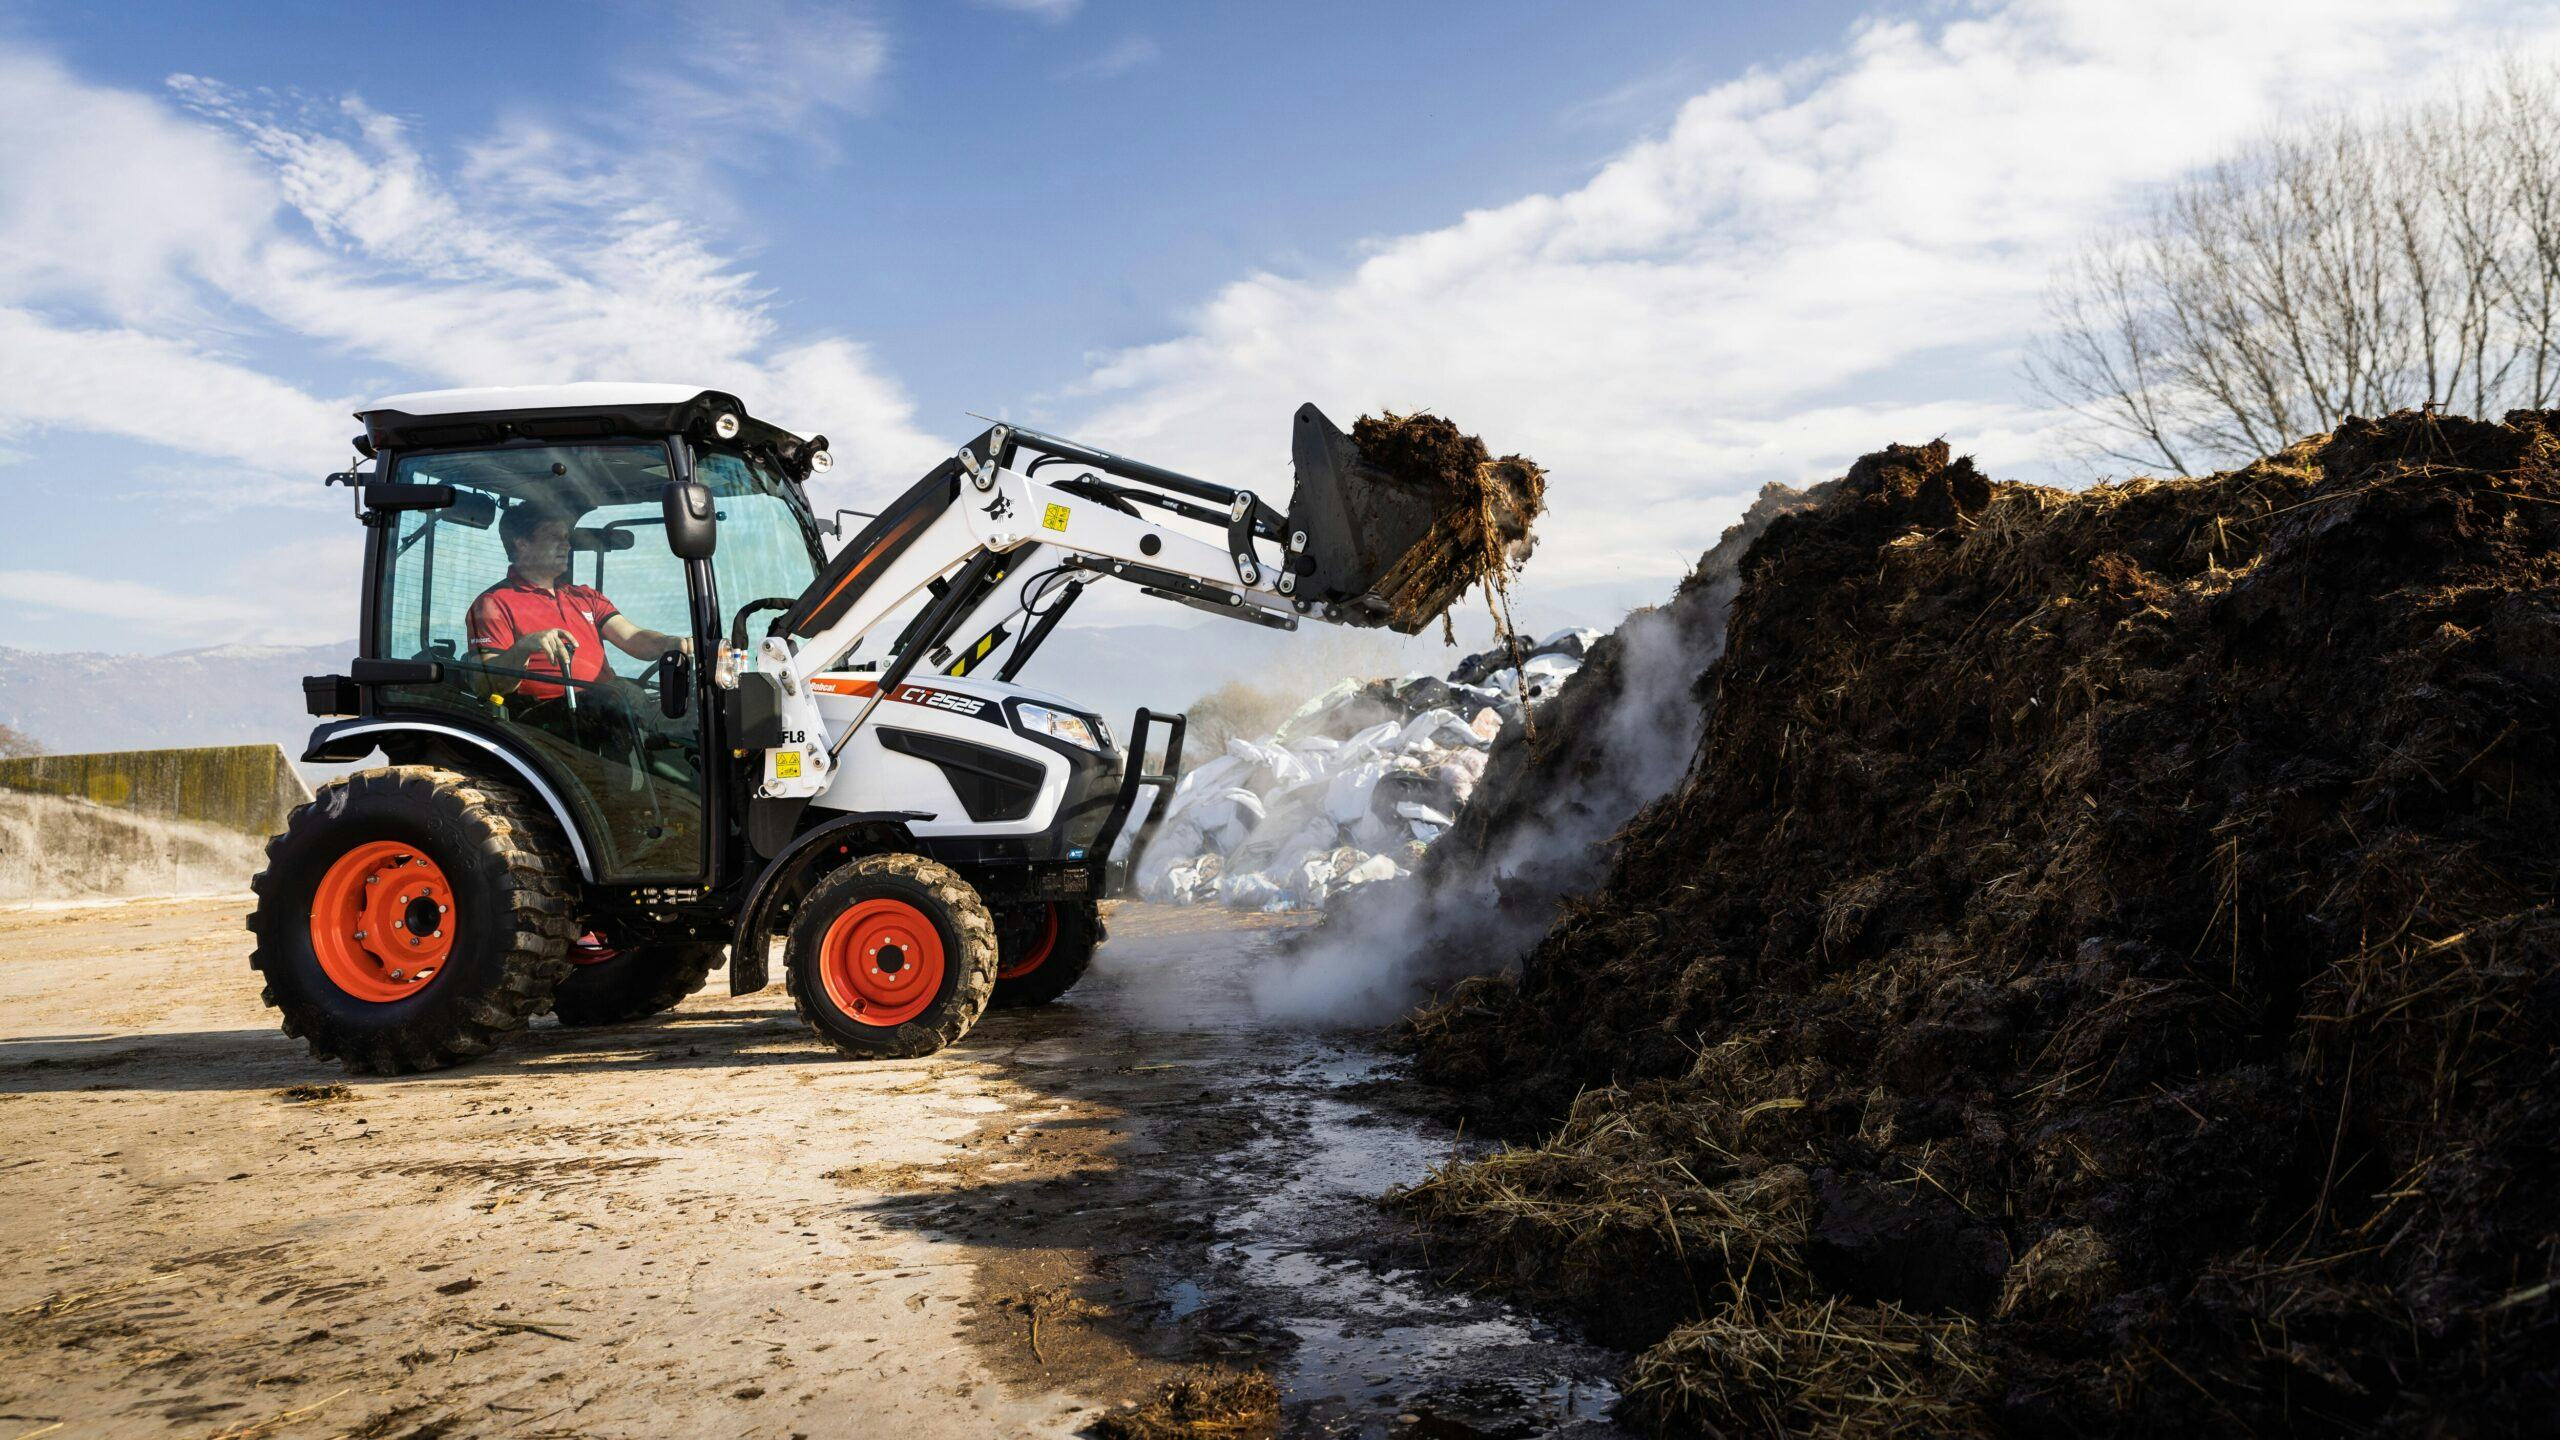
(1045, 957)
(635, 984)
(891, 956)
(370, 860)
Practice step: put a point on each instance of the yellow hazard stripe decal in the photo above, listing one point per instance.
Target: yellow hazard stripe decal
(986, 644)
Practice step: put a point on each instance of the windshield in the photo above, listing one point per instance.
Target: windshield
(766, 550)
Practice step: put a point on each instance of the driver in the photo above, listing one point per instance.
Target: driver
(536, 621)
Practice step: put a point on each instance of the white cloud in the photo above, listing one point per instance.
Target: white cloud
(1115, 60)
(113, 381)
(757, 68)
(132, 601)
(177, 273)
(1683, 327)
(1053, 11)
(77, 229)
(145, 256)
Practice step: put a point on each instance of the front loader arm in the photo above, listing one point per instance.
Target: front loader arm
(965, 535)
(933, 532)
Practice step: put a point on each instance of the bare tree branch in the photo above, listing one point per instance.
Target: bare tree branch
(2356, 265)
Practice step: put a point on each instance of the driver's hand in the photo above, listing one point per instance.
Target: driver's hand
(556, 645)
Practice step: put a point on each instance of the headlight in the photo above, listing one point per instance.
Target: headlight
(1057, 725)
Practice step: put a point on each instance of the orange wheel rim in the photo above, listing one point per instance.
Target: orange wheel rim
(881, 962)
(1036, 954)
(382, 921)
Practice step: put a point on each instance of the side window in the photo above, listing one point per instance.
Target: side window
(438, 567)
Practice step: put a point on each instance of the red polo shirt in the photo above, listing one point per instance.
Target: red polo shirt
(512, 609)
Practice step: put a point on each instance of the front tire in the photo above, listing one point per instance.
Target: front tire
(891, 956)
(1047, 952)
(411, 917)
(632, 983)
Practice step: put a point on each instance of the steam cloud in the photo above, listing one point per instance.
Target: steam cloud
(1622, 733)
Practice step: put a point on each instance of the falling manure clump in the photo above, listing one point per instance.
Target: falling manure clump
(1482, 510)
(2099, 974)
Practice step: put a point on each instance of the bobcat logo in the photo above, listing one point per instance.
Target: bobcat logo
(999, 507)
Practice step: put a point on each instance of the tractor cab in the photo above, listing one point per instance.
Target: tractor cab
(521, 593)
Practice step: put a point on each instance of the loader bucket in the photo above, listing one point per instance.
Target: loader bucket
(1402, 520)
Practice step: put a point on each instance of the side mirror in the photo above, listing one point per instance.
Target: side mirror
(692, 529)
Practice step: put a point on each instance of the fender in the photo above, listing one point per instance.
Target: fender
(328, 743)
(749, 970)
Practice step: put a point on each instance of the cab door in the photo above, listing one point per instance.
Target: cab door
(632, 775)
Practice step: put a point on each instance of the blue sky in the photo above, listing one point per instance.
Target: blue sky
(1673, 250)
(1068, 177)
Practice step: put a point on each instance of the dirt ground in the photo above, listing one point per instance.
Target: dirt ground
(709, 1224)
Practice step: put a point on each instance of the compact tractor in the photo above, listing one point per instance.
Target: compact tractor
(636, 718)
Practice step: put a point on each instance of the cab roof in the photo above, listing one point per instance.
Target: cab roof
(585, 409)
(511, 399)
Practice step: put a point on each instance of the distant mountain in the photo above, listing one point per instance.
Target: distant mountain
(221, 695)
(1117, 668)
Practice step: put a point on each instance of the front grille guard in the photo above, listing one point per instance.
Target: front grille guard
(1134, 778)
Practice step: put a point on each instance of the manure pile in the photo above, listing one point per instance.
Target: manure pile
(2101, 972)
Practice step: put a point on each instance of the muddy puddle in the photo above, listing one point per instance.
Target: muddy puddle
(1379, 1349)
(1244, 1166)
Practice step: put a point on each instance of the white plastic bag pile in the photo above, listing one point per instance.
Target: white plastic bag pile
(1352, 789)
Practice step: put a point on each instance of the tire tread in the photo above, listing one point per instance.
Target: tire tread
(935, 1029)
(516, 845)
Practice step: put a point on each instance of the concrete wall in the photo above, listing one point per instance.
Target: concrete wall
(53, 848)
(245, 788)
